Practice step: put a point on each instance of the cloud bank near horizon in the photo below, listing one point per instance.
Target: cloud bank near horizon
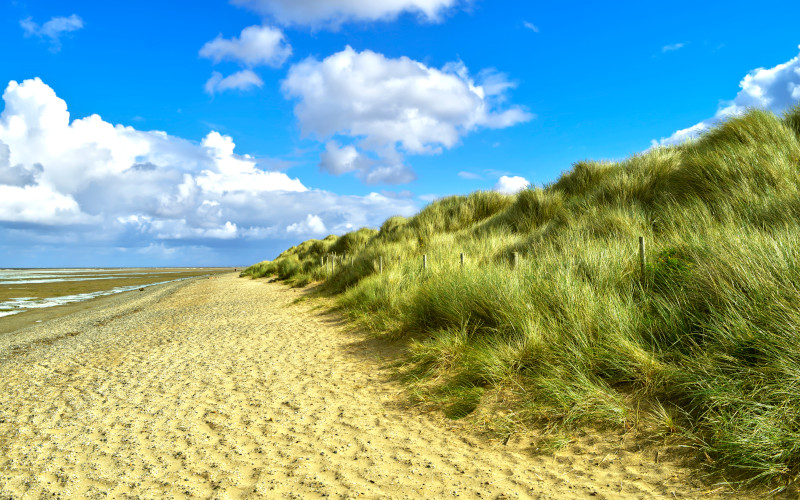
(146, 188)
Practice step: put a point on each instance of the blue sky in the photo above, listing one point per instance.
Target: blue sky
(220, 133)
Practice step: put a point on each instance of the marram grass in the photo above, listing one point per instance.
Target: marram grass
(707, 337)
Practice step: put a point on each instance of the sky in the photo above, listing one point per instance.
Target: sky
(220, 133)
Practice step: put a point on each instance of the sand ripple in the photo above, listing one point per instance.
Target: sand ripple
(222, 388)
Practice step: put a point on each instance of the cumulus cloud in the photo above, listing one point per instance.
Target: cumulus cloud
(255, 46)
(511, 184)
(776, 89)
(398, 173)
(52, 29)
(241, 80)
(390, 107)
(389, 169)
(335, 12)
(16, 175)
(313, 225)
(339, 160)
(114, 183)
(39, 205)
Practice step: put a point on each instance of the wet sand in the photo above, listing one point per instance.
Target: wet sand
(224, 388)
(41, 290)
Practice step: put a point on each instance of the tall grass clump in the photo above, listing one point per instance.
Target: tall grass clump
(572, 332)
(458, 212)
(532, 209)
(744, 159)
(352, 242)
(792, 119)
(300, 264)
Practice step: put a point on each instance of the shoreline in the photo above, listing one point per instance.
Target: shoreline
(36, 316)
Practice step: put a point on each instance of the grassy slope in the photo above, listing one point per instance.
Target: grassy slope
(706, 339)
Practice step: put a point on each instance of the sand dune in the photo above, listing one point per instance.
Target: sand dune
(222, 388)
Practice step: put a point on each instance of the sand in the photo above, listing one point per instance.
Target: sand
(225, 388)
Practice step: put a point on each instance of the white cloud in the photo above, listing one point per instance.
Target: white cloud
(241, 80)
(335, 12)
(390, 107)
(775, 89)
(511, 185)
(312, 225)
(531, 26)
(125, 187)
(339, 160)
(52, 29)
(685, 134)
(388, 174)
(671, 47)
(256, 46)
(16, 175)
(180, 229)
(239, 173)
(389, 169)
(39, 205)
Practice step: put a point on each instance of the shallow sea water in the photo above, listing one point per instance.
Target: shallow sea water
(26, 289)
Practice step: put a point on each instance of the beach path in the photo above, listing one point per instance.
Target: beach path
(226, 388)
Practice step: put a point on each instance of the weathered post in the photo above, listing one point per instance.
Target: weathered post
(642, 260)
(425, 262)
(515, 260)
(462, 259)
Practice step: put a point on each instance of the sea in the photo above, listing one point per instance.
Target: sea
(26, 289)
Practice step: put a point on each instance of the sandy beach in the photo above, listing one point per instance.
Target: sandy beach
(225, 388)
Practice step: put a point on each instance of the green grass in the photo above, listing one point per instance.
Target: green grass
(705, 339)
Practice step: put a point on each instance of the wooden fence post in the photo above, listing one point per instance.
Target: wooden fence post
(515, 259)
(642, 260)
(462, 259)
(425, 262)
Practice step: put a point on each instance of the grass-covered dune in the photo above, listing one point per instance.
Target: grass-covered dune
(704, 344)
